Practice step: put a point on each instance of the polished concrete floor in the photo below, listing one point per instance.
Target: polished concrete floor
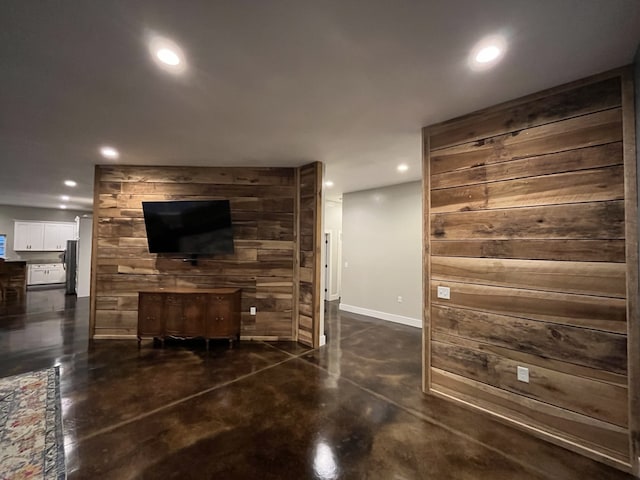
(350, 410)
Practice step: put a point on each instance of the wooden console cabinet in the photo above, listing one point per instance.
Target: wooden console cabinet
(189, 312)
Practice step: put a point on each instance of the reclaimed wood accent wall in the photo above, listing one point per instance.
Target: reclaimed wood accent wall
(263, 203)
(531, 222)
(309, 254)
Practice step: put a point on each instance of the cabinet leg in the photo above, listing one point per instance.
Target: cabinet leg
(139, 341)
(207, 340)
(162, 342)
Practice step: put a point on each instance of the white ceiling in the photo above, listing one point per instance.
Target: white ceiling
(275, 83)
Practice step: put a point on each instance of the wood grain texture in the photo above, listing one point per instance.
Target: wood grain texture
(599, 313)
(527, 113)
(309, 253)
(587, 278)
(599, 400)
(262, 210)
(633, 287)
(561, 426)
(582, 221)
(532, 224)
(597, 350)
(568, 161)
(579, 132)
(573, 187)
(561, 250)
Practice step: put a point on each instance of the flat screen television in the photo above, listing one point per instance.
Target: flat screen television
(200, 227)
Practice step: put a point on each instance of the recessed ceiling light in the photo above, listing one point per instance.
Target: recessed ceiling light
(487, 52)
(63, 207)
(64, 198)
(109, 152)
(403, 167)
(70, 183)
(328, 183)
(167, 54)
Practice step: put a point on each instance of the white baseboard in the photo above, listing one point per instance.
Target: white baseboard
(323, 340)
(391, 317)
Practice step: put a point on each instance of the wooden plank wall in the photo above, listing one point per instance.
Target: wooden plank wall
(309, 294)
(264, 224)
(526, 216)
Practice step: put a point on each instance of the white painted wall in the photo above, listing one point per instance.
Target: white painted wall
(382, 253)
(333, 226)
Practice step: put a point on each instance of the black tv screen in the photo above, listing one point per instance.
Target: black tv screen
(191, 227)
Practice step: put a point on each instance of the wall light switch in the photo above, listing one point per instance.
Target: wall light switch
(444, 292)
(523, 374)
(252, 310)
(399, 299)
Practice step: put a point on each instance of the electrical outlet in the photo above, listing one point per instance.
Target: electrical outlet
(252, 310)
(444, 292)
(523, 374)
(399, 299)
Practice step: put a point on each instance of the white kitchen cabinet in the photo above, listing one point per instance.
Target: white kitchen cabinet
(28, 236)
(57, 234)
(46, 273)
(43, 236)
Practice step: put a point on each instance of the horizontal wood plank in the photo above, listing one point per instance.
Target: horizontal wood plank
(567, 161)
(560, 250)
(599, 313)
(580, 346)
(588, 221)
(599, 400)
(588, 278)
(538, 417)
(583, 186)
(586, 99)
(584, 131)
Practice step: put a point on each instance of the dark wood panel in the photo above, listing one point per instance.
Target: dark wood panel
(588, 98)
(196, 175)
(599, 400)
(599, 313)
(589, 278)
(597, 220)
(583, 186)
(263, 203)
(560, 162)
(587, 130)
(581, 346)
(204, 189)
(561, 250)
(538, 417)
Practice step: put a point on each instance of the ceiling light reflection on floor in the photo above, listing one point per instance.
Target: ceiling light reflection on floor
(324, 462)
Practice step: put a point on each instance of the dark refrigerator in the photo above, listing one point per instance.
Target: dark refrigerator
(71, 266)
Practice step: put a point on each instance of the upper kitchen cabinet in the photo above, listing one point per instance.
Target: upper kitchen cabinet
(43, 236)
(28, 236)
(57, 234)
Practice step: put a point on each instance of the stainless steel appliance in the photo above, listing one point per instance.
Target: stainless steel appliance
(71, 266)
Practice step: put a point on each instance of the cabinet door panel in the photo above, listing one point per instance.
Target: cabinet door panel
(150, 314)
(220, 316)
(28, 236)
(193, 314)
(174, 315)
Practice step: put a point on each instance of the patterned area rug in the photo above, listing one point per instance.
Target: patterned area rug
(31, 441)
